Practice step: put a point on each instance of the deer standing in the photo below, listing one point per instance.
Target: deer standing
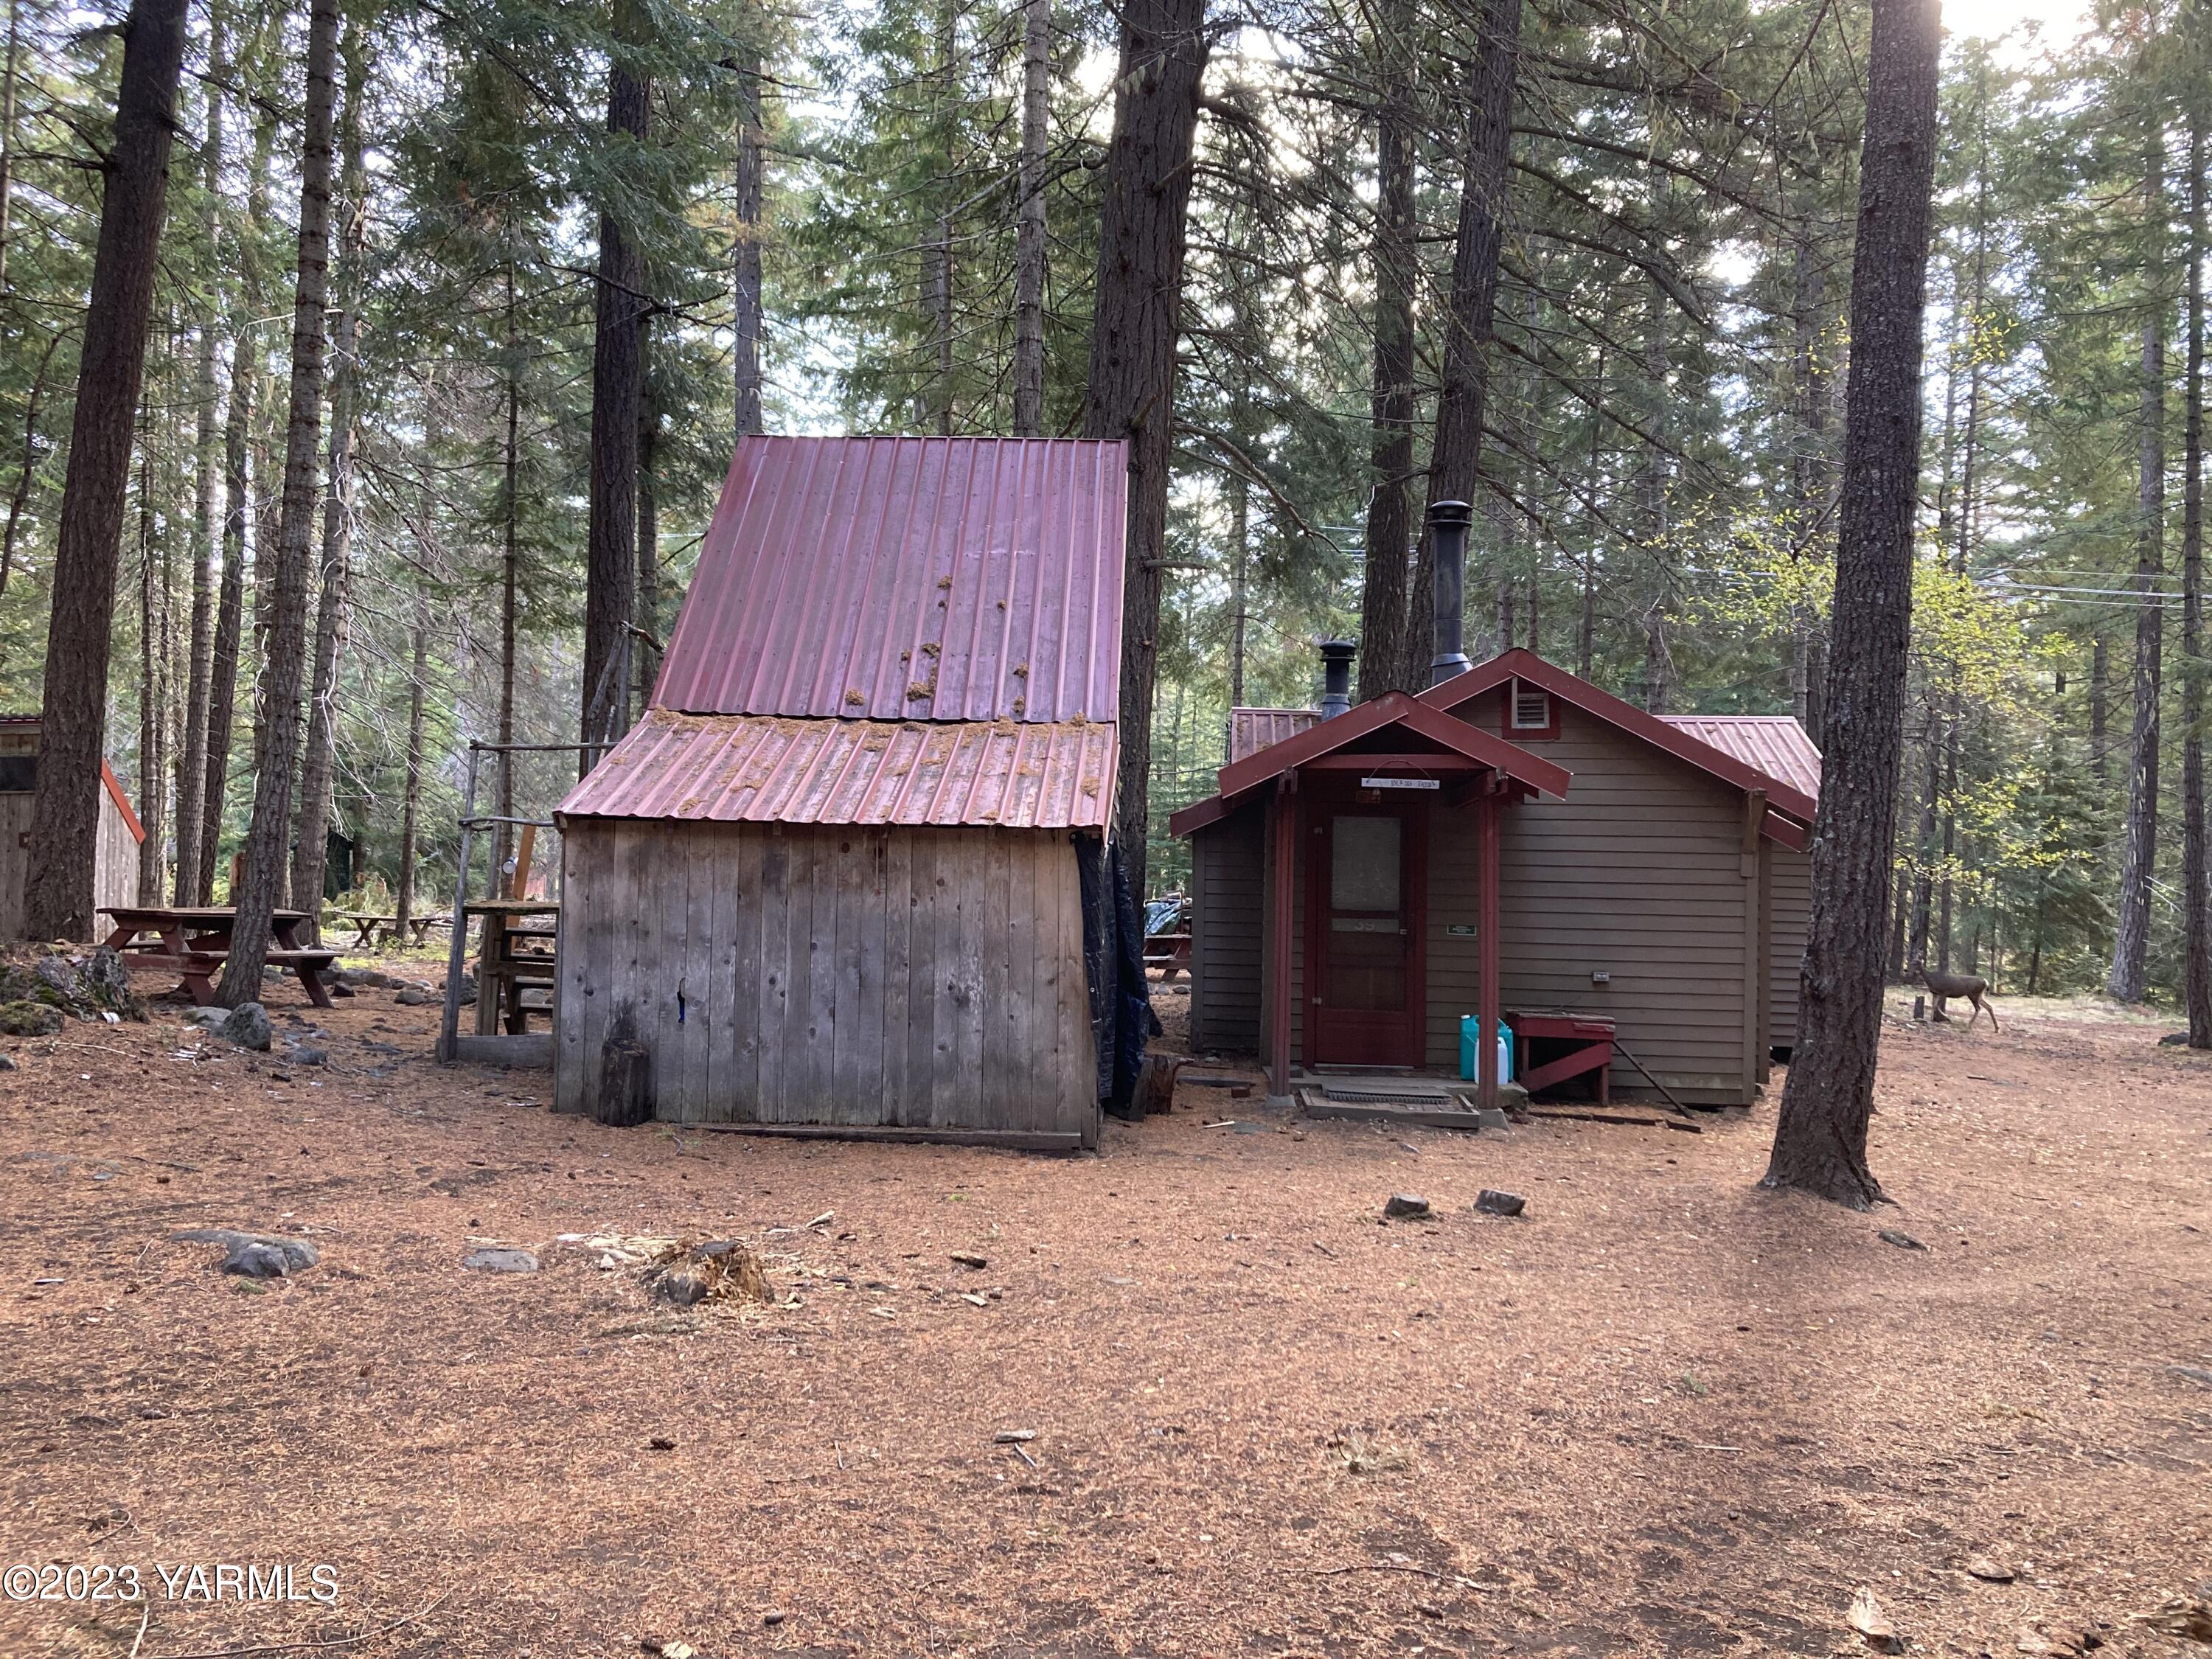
(1972, 987)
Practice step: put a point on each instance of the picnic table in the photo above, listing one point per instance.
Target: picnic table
(193, 942)
(517, 950)
(366, 926)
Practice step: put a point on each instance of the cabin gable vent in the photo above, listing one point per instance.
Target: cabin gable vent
(1532, 708)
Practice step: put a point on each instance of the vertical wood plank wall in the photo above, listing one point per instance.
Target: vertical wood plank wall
(115, 860)
(786, 974)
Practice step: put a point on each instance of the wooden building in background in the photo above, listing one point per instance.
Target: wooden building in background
(833, 879)
(115, 848)
(1648, 871)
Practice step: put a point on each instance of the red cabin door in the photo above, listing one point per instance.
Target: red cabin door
(1364, 979)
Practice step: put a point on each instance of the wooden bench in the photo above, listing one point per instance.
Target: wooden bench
(1591, 1036)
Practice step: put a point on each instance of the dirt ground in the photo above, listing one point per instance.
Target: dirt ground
(1663, 1413)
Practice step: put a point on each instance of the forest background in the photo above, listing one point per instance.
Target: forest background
(884, 215)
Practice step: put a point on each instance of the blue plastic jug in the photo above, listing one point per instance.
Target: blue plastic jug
(1470, 1032)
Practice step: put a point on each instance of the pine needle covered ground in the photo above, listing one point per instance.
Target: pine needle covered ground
(1663, 1413)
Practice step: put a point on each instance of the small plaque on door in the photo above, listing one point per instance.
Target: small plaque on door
(1460, 929)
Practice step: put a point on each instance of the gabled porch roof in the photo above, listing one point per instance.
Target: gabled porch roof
(1784, 801)
(1452, 745)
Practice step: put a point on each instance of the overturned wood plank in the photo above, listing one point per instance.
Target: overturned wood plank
(1633, 1119)
(1019, 1140)
(530, 1053)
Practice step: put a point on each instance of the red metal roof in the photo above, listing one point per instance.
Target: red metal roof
(947, 579)
(1251, 730)
(1775, 744)
(736, 768)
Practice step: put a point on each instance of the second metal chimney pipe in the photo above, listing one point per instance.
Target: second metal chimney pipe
(1448, 523)
(1336, 677)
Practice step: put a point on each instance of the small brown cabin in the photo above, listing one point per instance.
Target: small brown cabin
(1512, 840)
(835, 878)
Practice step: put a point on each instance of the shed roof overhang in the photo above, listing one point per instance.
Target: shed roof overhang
(1440, 743)
(1789, 809)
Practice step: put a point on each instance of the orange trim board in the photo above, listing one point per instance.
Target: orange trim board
(122, 802)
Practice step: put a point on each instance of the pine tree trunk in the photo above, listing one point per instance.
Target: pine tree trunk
(2195, 877)
(57, 888)
(245, 470)
(1030, 220)
(1136, 318)
(1455, 455)
(746, 261)
(1820, 1141)
(25, 474)
(207, 520)
(648, 554)
(230, 607)
(318, 771)
(2100, 697)
(153, 698)
(8, 133)
(2139, 854)
(277, 758)
(411, 809)
(1394, 251)
(510, 574)
(617, 385)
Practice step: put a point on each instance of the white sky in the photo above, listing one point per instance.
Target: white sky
(2061, 19)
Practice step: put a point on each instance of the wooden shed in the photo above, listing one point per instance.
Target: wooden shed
(1634, 875)
(115, 847)
(834, 878)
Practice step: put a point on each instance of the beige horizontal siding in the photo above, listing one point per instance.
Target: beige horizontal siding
(1791, 903)
(1638, 874)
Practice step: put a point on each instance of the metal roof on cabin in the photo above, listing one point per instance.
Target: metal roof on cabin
(945, 579)
(1251, 730)
(737, 768)
(1775, 744)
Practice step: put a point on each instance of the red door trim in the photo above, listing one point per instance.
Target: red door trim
(1413, 1042)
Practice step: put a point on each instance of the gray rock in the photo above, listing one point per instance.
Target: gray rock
(339, 990)
(304, 1056)
(7, 1063)
(29, 1019)
(58, 973)
(106, 982)
(246, 1026)
(2196, 1373)
(413, 997)
(488, 1258)
(1491, 1118)
(2174, 1040)
(1406, 1204)
(210, 1017)
(1491, 1202)
(254, 1255)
